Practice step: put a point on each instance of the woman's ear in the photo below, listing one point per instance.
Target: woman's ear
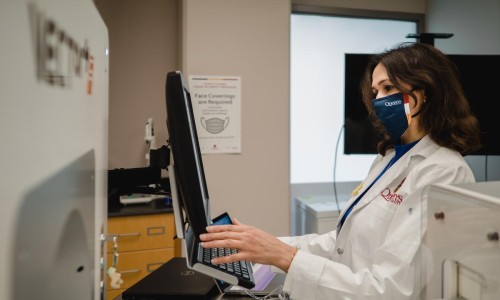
(420, 94)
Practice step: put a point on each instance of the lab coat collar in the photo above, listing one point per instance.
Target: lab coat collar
(423, 149)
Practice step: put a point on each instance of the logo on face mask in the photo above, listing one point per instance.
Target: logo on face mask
(394, 112)
(214, 125)
(392, 103)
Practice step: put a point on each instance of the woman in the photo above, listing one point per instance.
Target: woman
(414, 94)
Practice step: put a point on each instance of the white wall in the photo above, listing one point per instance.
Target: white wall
(476, 28)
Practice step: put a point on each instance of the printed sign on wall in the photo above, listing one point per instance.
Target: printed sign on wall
(217, 110)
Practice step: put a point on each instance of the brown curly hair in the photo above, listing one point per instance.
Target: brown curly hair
(445, 116)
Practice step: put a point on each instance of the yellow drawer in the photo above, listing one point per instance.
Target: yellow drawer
(133, 266)
(142, 232)
(112, 294)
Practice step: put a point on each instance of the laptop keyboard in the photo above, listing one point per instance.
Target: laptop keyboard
(239, 268)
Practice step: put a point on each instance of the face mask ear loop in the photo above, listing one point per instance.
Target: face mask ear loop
(416, 114)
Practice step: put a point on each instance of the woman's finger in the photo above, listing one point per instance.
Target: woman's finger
(223, 235)
(221, 228)
(218, 228)
(222, 243)
(228, 259)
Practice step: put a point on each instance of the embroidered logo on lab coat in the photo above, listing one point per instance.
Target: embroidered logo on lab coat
(393, 197)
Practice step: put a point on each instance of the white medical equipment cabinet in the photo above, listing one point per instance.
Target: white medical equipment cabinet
(316, 214)
(54, 145)
(462, 242)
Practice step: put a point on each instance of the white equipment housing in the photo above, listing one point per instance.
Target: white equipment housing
(462, 241)
(53, 162)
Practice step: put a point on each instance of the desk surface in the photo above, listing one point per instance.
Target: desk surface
(157, 206)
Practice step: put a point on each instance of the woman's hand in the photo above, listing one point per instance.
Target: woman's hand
(253, 245)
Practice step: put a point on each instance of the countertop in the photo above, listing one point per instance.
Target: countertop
(157, 206)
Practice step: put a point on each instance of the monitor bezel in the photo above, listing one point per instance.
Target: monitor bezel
(190, 183)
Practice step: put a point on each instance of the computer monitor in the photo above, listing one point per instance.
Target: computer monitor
(189, 188)
(190, 184)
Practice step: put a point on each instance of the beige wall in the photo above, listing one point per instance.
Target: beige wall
(247, 38)
(251, 39)
(143, 47)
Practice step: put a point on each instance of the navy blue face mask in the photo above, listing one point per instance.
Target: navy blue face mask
(394, 112)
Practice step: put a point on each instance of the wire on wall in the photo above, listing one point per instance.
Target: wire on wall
(335, 168)
(486, 168)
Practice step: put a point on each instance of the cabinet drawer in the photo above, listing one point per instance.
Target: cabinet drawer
(142, 232)
(112, 294)
(133, 266)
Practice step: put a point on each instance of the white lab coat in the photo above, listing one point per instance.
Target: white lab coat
(376, 254)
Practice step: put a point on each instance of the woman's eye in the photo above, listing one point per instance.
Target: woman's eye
(388, 88)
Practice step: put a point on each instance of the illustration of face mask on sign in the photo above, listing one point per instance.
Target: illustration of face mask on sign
(214, 125)
(394, 112)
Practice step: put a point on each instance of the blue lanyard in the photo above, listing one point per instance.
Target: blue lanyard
(400, 151)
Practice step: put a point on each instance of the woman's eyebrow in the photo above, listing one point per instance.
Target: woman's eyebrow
(380, 82)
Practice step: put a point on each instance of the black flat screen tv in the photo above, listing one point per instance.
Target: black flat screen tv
(479, 75)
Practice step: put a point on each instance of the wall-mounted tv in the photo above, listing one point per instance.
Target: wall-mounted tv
(479, 75)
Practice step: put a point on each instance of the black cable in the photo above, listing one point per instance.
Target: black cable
(486, 168)
(335, 168)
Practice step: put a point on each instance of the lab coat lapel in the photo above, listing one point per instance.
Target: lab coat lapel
(375, 169)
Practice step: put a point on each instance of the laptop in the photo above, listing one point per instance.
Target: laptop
(189, 190)
(172, 280)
